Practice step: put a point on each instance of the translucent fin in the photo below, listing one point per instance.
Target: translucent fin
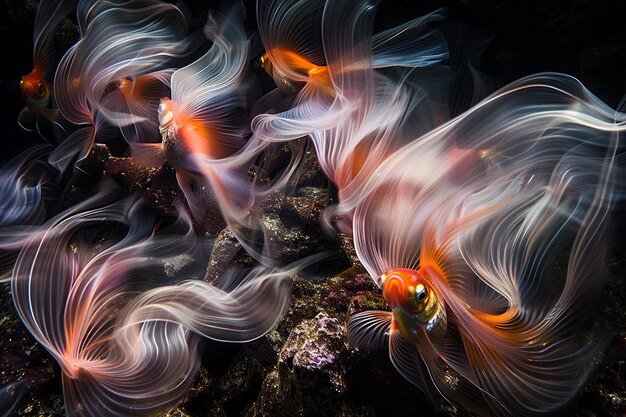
(148, 154)
(49, 14)
(495, 241)
(211, 312)
(406, 359)
(453, 376)
(412, 44)
(24, 178)
(139, 96)
(74, 148)
(208, 95)
(291, 27)
(124, 349)
(317, 112)
(349, 24)
(272, 102)
(121, 43)
(10, 396)
(369, 330)
(27, 120)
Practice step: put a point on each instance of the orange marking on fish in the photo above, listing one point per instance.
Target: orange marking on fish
(414, 304)
(296, 63)
(35, 90)
(289, 66)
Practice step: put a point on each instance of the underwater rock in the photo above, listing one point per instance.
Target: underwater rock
(131, 175)
(315, 345)
(291, 227)
(225, 248)
(163, 195)
(22, 358)
(309, 377)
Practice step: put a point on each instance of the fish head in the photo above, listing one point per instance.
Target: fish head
(182, 136)
(35, 90)
(407, 289)
(413, 301)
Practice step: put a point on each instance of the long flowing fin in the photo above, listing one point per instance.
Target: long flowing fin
(117, 71)
(140, 96)
(207, 95)
(74, 148)
(291, 27)
(412, 44)
(23, 179)
(406, 358)
(148, 154)
(49, 14)
(27, 120)
(539, 176)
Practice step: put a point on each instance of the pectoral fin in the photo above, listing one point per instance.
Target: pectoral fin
(407, 360)
(148, 154)
(26, 120)
(369, 330)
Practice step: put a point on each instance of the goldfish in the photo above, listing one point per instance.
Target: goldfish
(36, 86)
(299, 71)
(414, 304)
(203, 113)
(293, 57)
(354, 114)
(36, 91)
(203, 123)
(112, 79)
(464, 252)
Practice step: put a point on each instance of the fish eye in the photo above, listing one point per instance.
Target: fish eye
(420, 293)
(41, 89)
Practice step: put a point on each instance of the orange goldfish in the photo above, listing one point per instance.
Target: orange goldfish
(35, 90)
(464, 244)
(35, 87)
(291, 71)
(414, 303)
(205, 118)
(296, 55)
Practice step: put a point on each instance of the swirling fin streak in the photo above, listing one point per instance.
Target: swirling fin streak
(407, 360)
(411, 44)
(74, 148)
